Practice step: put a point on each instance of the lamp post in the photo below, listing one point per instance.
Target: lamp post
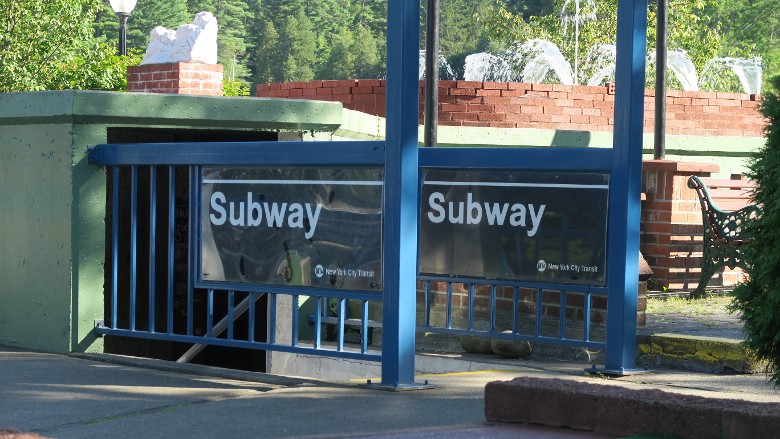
(122, 9)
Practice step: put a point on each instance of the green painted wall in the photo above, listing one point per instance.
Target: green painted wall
(52, 201)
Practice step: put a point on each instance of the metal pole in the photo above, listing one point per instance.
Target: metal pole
(400, 202)
(122, 33)
(623, 239)
(662, 18)
(431, 113)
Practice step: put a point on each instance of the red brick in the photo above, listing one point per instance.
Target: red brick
(542, 87)
(493, 117)
(495, 85)
(463, 92)
(483, 92)
(527, 109)
(519, 86)
(464, 116)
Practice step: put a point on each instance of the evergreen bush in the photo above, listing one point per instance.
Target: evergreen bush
(758, 299)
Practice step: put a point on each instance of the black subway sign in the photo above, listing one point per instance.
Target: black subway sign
(514, 225)
(292, 226)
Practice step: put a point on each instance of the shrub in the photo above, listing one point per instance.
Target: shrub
(758, 299)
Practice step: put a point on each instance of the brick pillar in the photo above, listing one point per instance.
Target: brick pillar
(671, 239)
(176, 78)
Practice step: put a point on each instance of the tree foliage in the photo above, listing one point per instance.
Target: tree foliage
(758, 299)
(282, 40)
(50, 45)
(704, 29)
(146, 15)
(232, 19)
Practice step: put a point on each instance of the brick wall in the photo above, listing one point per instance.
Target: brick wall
(176, 78)
(543, 106)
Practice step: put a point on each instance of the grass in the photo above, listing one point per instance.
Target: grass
(710, 305)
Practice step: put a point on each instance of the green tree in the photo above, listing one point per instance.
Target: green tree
(353, 56)
(297, 48)
(368, 56)
(751, 28)
(758, 299)
(529, 8)
(323, 36)
(232, 18)
(460, 34)
(146, 15)
(263, 38)
(50, 45)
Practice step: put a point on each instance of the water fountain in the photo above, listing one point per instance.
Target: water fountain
(600, 64)
(733, 74)
(681, 66)
(536, 61)
(445, 69)
(576, 17)
(487, 67)
(540, 61)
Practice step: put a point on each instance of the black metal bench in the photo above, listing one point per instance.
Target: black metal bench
(725, 206)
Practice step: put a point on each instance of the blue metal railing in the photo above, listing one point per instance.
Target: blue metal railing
(536, 325)
(153, 190)
(188, 312)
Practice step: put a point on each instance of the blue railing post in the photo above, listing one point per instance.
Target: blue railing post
(400, 205)
(624, 208)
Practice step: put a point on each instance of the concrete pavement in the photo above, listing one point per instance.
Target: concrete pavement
(66, 397)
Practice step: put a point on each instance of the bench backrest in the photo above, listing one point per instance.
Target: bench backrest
(730, 195)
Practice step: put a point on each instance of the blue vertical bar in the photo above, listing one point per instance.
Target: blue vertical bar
(152, 242)
(340, 329)
(428, 303)
(194, 172)
(230, 308)
(210, 313)
(492, 308)
(470, 323)
(562, 316)
(294, 329)
(252, 298)
(114, 244)
(449, 305)
(318, 323)
(133, 242)
(538, 312)
(586, 316)
(171, 241)
(516, 311)
(400, 202)
(272, 318)
(364, 328)
(625, 183)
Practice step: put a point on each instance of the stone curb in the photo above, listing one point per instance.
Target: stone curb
(620, 411)
(696, 353)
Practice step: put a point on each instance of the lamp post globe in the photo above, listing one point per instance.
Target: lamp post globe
(122, 9)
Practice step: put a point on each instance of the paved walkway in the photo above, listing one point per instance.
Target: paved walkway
(99, 396)
(58, 396)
